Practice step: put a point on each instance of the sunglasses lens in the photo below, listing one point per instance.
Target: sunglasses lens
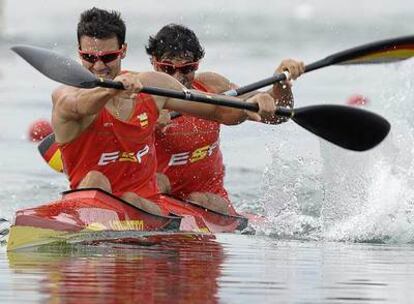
(168, 69)
(106, 58)
(188, 68)
(89, 57)
(171, 69)
(109, 57)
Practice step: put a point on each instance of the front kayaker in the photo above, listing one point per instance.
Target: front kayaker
(190, 161)
(106, 136)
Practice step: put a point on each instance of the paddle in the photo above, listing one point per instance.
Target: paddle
(384, 51)
(350, 128)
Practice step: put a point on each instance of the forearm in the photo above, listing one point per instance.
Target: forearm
(90, 102)
(279, 95)
(74, 104)
(229, 116)
(236, 116)
(225, 115)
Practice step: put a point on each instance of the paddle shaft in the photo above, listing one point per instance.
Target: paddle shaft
(356, 55)
(333, 123)
(351, 128)
(197, 97)
(270, 80)
(331, 60)
(265, 82)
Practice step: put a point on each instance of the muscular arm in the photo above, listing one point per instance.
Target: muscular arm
(74, 109)
(281, 93)
(219, 84)
(73, 104)
(220, 114)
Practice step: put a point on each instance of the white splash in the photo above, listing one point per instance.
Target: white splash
(338, 195)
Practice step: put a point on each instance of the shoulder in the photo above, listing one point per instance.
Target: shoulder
(159, 80)
(215, 82)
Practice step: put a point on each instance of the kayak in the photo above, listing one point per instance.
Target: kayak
(94, 216)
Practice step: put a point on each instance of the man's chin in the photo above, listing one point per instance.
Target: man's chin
(104, 76)
(185, 82)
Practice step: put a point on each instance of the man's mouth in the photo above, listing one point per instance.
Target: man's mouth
(102, 74)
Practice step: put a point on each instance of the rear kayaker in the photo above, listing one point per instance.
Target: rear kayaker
(83, 212)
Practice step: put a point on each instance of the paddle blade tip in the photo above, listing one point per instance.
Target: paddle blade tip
(348, 127)
(56, 67)
(23, 50)
(19, 50)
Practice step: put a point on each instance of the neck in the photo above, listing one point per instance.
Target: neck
(122, 106)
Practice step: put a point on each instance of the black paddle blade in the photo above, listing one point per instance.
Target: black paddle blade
(350, 128)
(57, 67)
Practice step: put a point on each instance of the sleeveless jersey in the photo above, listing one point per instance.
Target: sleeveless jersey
(188, 153)
(122, 150)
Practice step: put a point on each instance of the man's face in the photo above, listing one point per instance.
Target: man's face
(182, 67)
(101, 56)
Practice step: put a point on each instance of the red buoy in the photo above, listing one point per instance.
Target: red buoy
(39, 129)
(357, 100)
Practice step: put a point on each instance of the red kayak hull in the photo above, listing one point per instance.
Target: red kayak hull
(92, 210)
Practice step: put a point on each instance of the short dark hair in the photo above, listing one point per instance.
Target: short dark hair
(174, 39)
(101, 24)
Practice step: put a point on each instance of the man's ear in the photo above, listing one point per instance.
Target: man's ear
(124, 50)
(152, 60)
(79, 56)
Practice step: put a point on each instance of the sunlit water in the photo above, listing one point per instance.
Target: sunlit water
(339, 224)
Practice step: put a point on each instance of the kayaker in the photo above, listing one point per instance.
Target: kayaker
(106, 136)
(190, 161)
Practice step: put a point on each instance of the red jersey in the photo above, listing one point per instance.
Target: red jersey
(188, 152)
(122, 150)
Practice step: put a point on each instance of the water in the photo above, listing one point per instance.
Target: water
(339, 225)
(230, 269)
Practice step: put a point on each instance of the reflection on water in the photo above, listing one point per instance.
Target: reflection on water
(227, 269)
(180, 272)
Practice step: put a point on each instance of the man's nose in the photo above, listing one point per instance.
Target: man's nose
(99, 64)
(178, 75)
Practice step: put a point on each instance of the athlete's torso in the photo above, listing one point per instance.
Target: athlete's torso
(188, 153)
(122, 150)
